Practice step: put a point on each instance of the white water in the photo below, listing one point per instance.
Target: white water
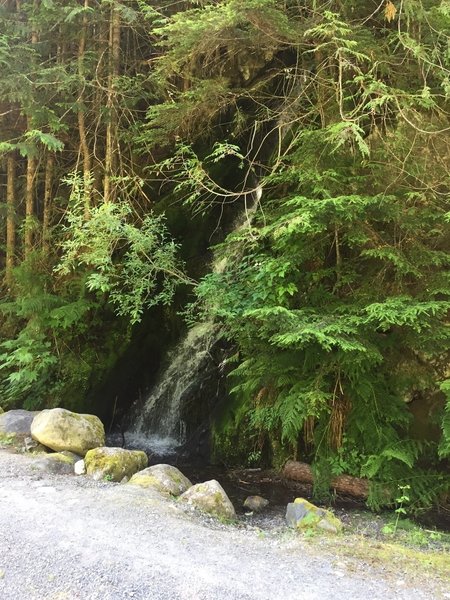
(159, 427)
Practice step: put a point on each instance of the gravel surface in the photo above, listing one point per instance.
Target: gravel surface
(70, 538)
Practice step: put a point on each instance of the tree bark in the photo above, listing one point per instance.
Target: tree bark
(10, 217)
(343, 484)
(84, 146)
(31, 170)
(111, 105)
(46, 217)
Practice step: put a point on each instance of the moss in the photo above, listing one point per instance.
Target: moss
(7, 439)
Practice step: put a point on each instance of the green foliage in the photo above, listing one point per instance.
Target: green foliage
(135, 265)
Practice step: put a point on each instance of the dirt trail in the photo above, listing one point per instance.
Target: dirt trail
(68, 538)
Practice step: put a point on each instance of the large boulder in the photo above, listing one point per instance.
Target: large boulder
(60, 463)
(165, 479)
(114, 464)
(302, 514)
(61, 429)
(15, 425)
(210, 497)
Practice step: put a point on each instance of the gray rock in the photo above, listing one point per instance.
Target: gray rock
(17, 423)
(210, 497)
(165, 479)
(57, 463)
(256, 503)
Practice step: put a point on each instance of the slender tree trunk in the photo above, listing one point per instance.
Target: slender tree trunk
(29, 204)
(111, 130)
(84, 146)
(10, 217)
(46, 217)
(31, 171)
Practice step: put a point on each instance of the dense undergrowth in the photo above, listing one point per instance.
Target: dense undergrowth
(326, 124)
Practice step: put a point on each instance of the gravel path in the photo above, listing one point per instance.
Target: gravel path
(68, 538)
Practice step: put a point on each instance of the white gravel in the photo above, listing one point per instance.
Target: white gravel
(69, 538)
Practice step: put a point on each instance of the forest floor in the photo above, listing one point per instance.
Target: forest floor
(70, 538)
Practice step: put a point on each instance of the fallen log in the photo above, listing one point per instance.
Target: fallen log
(342, 484)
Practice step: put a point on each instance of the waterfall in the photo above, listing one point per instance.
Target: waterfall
(192, 377)
(158, 426)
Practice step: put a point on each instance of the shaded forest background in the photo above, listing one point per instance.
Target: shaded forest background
(133, 132)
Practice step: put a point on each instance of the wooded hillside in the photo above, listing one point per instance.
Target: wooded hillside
(327, 123)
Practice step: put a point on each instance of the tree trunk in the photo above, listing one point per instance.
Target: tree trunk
(29, 205)
(46, 217)
(111, 105)
(343, 484)
(84, 146)
(31, 170)
(10, 217)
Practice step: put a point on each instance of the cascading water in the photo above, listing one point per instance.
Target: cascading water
(193, 377)
(159, 426)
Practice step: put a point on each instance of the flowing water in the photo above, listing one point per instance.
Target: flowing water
(192, 379)
(158, 426)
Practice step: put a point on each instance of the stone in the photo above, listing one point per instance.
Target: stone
(1, 410)
(79, 467)
(256, 503)
(210, 497)
(113, 464)
(15, 425)
(61, 429)
(165, 479)
(30, 445)
(302, 514)
(60, 463)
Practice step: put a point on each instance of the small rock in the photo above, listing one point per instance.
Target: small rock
(57, 463)
(256, 503)
(114, 464)
(210, 497)
(80, 467)
(165, 479)
(302, 514)
(30, 445)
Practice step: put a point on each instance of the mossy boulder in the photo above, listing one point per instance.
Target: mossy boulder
(165, 479)
(61, 429)
(210, 497)
(113, 464)
(60, 463)
(1, 410)
(302, 514)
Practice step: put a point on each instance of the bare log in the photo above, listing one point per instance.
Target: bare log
(343, 484)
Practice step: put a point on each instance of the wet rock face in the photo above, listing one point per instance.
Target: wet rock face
(114, 464)
(211, 498)
(302, 514)
(61, 429)
(165, 479)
